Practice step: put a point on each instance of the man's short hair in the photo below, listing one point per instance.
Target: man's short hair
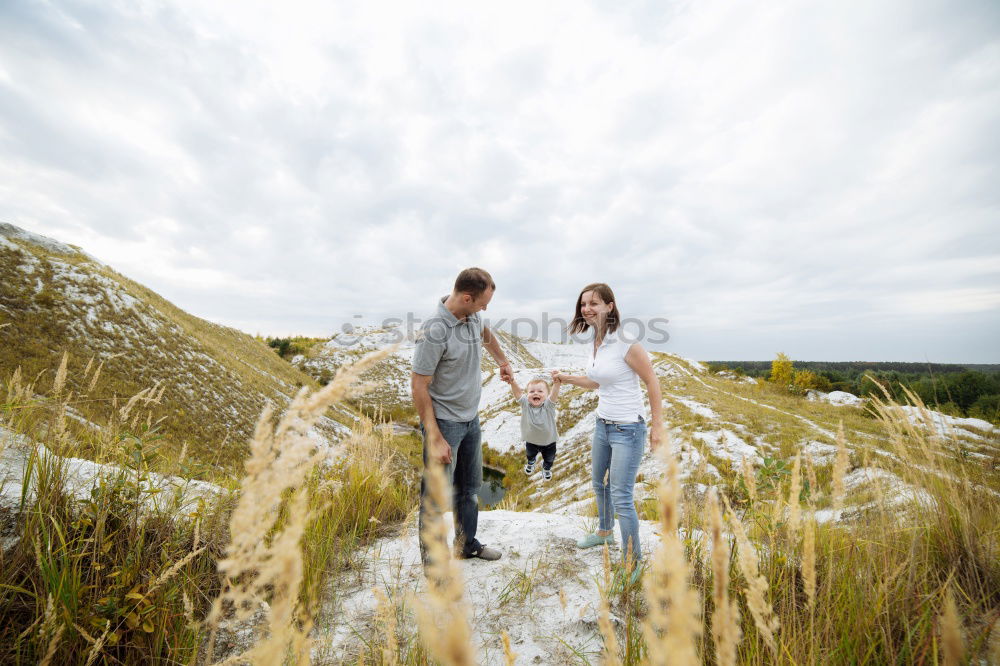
(473, 281)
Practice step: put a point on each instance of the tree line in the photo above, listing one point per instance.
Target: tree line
(956, 390)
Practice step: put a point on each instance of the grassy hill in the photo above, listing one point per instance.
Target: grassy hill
(852, 535)
(213, 380)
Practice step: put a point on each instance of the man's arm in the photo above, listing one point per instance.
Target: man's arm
(438, 447)
(492, 345)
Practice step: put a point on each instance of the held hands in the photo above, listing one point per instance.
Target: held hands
(506, 372)
(557, 376)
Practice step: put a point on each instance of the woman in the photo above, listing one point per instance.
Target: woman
(615, 366)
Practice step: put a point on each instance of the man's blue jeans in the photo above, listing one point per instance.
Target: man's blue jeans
(616, 453)
(465, 473)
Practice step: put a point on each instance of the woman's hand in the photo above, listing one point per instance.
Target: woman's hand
(655, 436)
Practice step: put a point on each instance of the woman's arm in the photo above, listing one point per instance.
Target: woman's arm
(638, 359)
(575, 380)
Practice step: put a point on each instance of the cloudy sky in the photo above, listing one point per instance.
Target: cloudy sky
(821, 179)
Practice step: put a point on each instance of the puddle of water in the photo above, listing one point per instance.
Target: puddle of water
(492, 490)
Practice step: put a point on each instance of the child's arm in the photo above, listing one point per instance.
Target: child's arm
(554, 393)
(515, 388)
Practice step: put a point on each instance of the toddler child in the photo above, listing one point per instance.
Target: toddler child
(538, 422)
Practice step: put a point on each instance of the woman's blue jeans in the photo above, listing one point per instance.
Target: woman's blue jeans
(616, 453)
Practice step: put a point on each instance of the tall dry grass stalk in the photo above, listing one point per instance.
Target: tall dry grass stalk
(509, 656)
(777, 508)
(612, 653)
(60, 380)
(994, 643)
(726, 618)
(176, 567)
(442, 614)
(385, 614)
(809, 560)
(673, 623)
(264, 558)
(811, 476)
(94, 378)
(952, 645)
(98, 645)
(839, 469)
(794, 491)
(54, 633)
(756, 590)
(749, 478)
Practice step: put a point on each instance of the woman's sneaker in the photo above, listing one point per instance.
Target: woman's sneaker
(592, 540)
(548, 474)
(529, 468)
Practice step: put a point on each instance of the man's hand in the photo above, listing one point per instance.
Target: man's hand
(440, 451)
(556, 375)
(506, 371)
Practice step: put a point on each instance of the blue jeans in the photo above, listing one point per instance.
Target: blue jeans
(465, 473)
(616, 453)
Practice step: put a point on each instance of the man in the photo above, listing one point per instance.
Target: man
(446, 383)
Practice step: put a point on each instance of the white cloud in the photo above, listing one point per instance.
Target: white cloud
(749, 171)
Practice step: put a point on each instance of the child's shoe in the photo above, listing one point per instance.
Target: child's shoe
(548, 474)
(529, 468)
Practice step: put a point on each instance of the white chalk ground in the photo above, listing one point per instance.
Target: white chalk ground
(161, 493)
(10, 231)
(946, 425)
(820, 452)
(838, 398)
(724, 443)
(519, 594)
(697, 407)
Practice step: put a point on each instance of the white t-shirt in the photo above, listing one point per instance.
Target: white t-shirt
(619, 396)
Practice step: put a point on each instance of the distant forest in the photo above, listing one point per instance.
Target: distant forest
(958, 390)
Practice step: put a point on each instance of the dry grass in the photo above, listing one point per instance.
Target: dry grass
(910, 577)
(442, 613)
(611, 651)
(673, 622)
(264, 558)
(726, 630)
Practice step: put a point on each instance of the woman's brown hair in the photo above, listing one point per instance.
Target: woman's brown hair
(579, 324)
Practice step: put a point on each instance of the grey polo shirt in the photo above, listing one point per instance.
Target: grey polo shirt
(451, 351)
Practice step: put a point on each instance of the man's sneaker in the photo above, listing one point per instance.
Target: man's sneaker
(592, 540)
(481, 552)
(529, 468)
(548, 474)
